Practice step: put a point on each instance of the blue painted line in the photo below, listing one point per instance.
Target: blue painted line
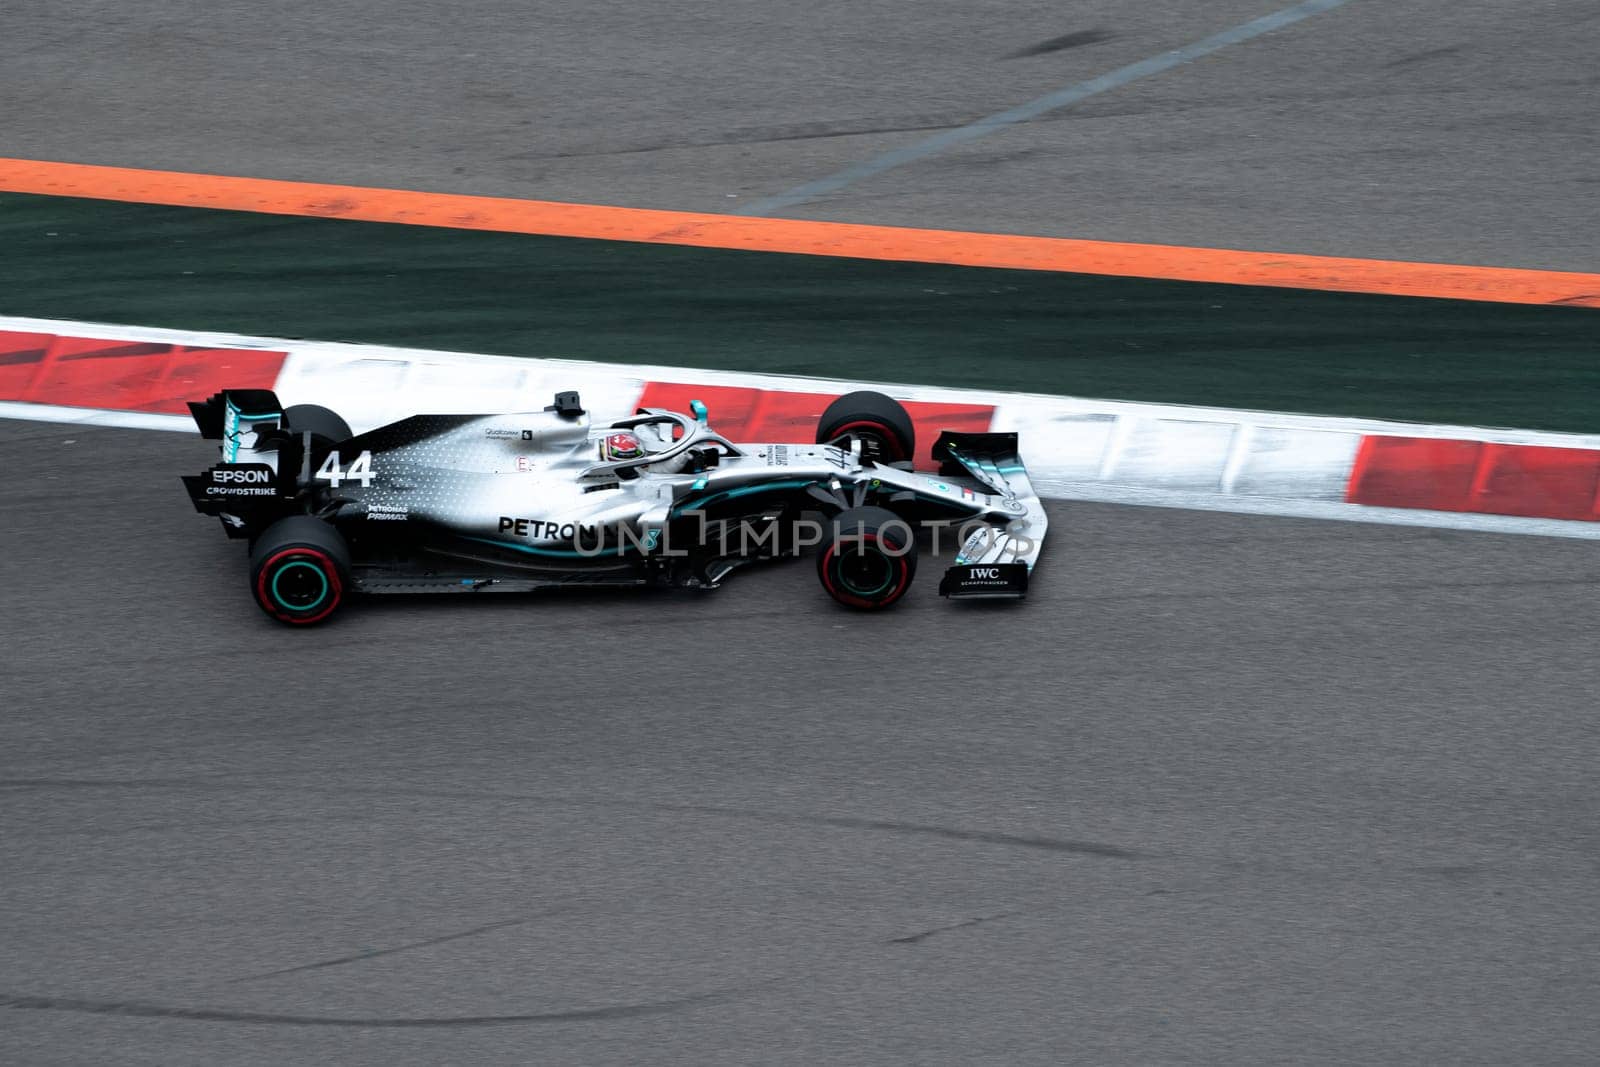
(1033, 109)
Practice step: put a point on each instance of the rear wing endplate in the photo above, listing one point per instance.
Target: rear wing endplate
(237, 418)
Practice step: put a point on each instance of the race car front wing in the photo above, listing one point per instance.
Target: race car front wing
(995, 560)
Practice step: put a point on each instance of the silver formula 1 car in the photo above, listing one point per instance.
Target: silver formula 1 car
(476, 503)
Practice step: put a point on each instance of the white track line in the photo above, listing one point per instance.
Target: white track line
(1321, 509)
(126, 420)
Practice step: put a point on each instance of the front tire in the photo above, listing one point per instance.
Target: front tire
(880, 423)
(870, 560)
(300, 570)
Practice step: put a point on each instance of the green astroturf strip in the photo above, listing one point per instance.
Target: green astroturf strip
(1177, 342)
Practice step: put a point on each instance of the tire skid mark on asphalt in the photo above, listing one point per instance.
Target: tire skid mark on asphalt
(986, 837)
(236, 783)
(109, 783)
(213, 826)
(1046, 844)
(923, 935)
(372, 954)
(148, 1010)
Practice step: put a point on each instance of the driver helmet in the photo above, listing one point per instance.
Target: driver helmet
(623, 446)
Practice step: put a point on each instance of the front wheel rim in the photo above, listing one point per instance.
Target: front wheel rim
(865, 573)
(864, 562)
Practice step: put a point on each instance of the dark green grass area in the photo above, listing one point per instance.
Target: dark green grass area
(1179, 342)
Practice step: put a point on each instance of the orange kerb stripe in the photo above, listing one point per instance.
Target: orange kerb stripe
(1497, 284)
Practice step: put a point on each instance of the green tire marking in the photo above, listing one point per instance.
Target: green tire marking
(863, 592)
(286, 568)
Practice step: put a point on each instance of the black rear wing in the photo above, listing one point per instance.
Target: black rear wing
(254, 485)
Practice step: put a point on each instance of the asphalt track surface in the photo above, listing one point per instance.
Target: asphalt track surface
(1225, 789)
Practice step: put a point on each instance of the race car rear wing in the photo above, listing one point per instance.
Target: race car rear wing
(237, 418)
(245, 490)
(995, 560)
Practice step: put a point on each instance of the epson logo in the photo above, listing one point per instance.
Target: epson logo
(245, 477)
(986, 572)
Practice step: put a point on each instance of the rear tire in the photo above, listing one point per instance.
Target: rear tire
(300, 570)
(322, 422)
(870, 560)
(879, 422)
